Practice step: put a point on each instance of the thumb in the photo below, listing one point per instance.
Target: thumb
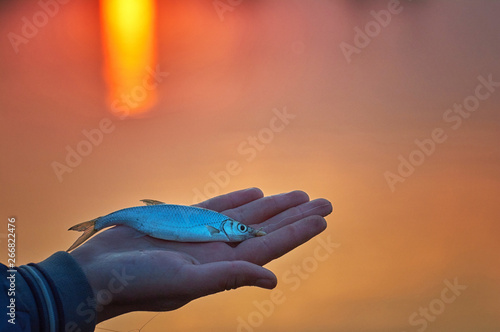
(216, 277)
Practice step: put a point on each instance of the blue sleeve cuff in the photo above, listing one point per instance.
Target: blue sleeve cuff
(71, 293)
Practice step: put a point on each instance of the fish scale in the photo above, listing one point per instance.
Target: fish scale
(171, 222)
(177, 215)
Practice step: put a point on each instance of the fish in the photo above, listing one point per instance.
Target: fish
(170, 222)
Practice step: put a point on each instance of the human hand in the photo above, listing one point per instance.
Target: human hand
(165, 275)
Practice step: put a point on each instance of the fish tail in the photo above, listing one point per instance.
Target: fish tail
(88, 229)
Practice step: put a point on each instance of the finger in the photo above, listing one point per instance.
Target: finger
(262, 250)
(231, 200)
(216, 277)
(320, 207)
(262, 209)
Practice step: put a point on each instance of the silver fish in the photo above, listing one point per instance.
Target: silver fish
(171, 222)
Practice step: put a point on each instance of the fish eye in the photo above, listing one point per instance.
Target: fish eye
(242, 228)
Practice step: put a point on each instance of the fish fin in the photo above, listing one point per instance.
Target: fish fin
(88, 229)
(151, 202)
(212, 230)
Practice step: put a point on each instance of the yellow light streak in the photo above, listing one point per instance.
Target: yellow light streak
(129, 43)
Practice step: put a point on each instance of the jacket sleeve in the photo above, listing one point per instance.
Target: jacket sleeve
(53, 296)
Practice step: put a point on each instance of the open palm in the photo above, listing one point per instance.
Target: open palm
(159, 275)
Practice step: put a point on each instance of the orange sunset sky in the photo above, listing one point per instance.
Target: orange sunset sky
(393, 115)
